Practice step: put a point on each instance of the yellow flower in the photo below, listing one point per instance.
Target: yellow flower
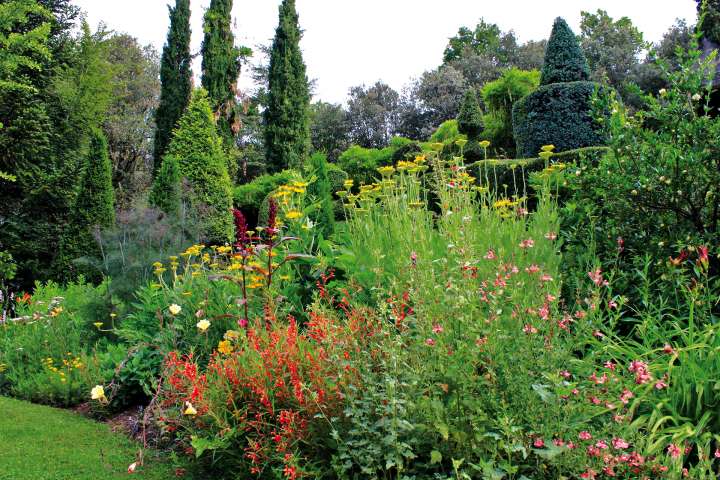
(98, 393)
(461, 142)
(157, 265)
(225, 347)
(484, 144)
(56, 311)
(189, 409)
(174, 309)
(293, 214)
(98, 324)
(300, 184)
(348, 184)
(420, 159)
(232, 335)
(547, 148)
(386, 171)
(203, 325)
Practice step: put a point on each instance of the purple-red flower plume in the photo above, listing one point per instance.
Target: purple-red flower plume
(241, 229)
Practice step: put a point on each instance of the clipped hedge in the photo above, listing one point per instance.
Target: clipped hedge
(560, 115)
(511, 177)
(249, 197)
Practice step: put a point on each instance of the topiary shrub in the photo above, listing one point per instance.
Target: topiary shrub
(470, 123)
(166, 192)
(559, 112)
(321, 191)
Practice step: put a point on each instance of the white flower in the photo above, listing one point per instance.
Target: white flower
(662, 92)
(174, 309)
(132, 467)
(697, 97)
(97, 393)
(203, 325)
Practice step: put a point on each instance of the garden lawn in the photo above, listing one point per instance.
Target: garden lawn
(42, 443)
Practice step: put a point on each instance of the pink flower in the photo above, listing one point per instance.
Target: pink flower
(132, 467)
(529, 329)
(584, 435)
(490, 255)
(625, 396)
(565, 374)
(597, 278)
(551, 236)
(612, 305)
(668, 349)
(532, 269)
(529, 243)
(544, 312)
(674, 451)
(620, 444)
(437, 329)
(558, 442)
(589, 474)
(539, 443)
(601, 444)
(430, 342)
(703, 255)
(717, 453)
(546, 278)
(659, 385)
(243, 322)
(640, 369)
(610, 365)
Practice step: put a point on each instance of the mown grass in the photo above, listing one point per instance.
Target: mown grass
(41, 443)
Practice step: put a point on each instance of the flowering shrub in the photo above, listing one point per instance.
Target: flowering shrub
(263, 404)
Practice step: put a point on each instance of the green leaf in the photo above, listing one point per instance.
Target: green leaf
(435, 457)
(443, 430)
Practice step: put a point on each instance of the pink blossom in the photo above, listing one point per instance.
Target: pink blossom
(558, 442)
(625, 396)
(620, 444)
(490, 255)
(612, 304)
(437, 329)
(596, 277)
(668, 349)
(529, 243)
(529, 329)
(430, 342)
(539, 443)
(659, 385)
(532, 269)
(565, 374)
(551, 236)
(546, 278)
(585, 435)
(717, 453)
(610, 365)
(589, 474)
(674, 451)
(601, 444)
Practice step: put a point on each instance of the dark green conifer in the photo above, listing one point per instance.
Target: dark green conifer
(564, 59)
(470, 123)
(709, 19)
(287, 127)
(166, 192)
(175, 78)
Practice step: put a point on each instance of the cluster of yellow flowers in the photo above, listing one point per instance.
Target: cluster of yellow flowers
(64, 366)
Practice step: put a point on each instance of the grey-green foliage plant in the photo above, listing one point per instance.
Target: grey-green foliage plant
(287, 125)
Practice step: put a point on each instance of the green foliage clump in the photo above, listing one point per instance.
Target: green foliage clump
(47, 350)
(470, 124)
(249, 197)
(202, 161)
(709, 14)
(166, 193)
(321, 191)
(448, 131)
(499, 97)
(657, 190)
(564, 59)
(287, 124)
(361, 163)
(175, 78)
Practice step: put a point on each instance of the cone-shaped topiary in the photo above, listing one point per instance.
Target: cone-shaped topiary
(287, 125)
(564, 59)
(470, 123)
(559, 112)
(166, 191)
(199, 152)
(321, 191)
(175, 78)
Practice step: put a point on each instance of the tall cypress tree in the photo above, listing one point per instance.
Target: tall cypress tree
(175, 78)
(287, 127)
(221, 68)
(564, 59)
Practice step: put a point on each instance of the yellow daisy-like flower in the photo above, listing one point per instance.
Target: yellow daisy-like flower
(225, 347)
(547, 148)
(232, 335)
(348, 184)
(189, 409)
(386, 171)
(174, 309)
(98, 324)
(203, 325)
(293, 214)
(56, 311)
(485, 144)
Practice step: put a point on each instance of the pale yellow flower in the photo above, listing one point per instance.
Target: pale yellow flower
(98, 393)
(174, 309)
(203, 325)
(189, 409)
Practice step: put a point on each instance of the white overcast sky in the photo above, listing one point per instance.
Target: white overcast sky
(351, 42)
